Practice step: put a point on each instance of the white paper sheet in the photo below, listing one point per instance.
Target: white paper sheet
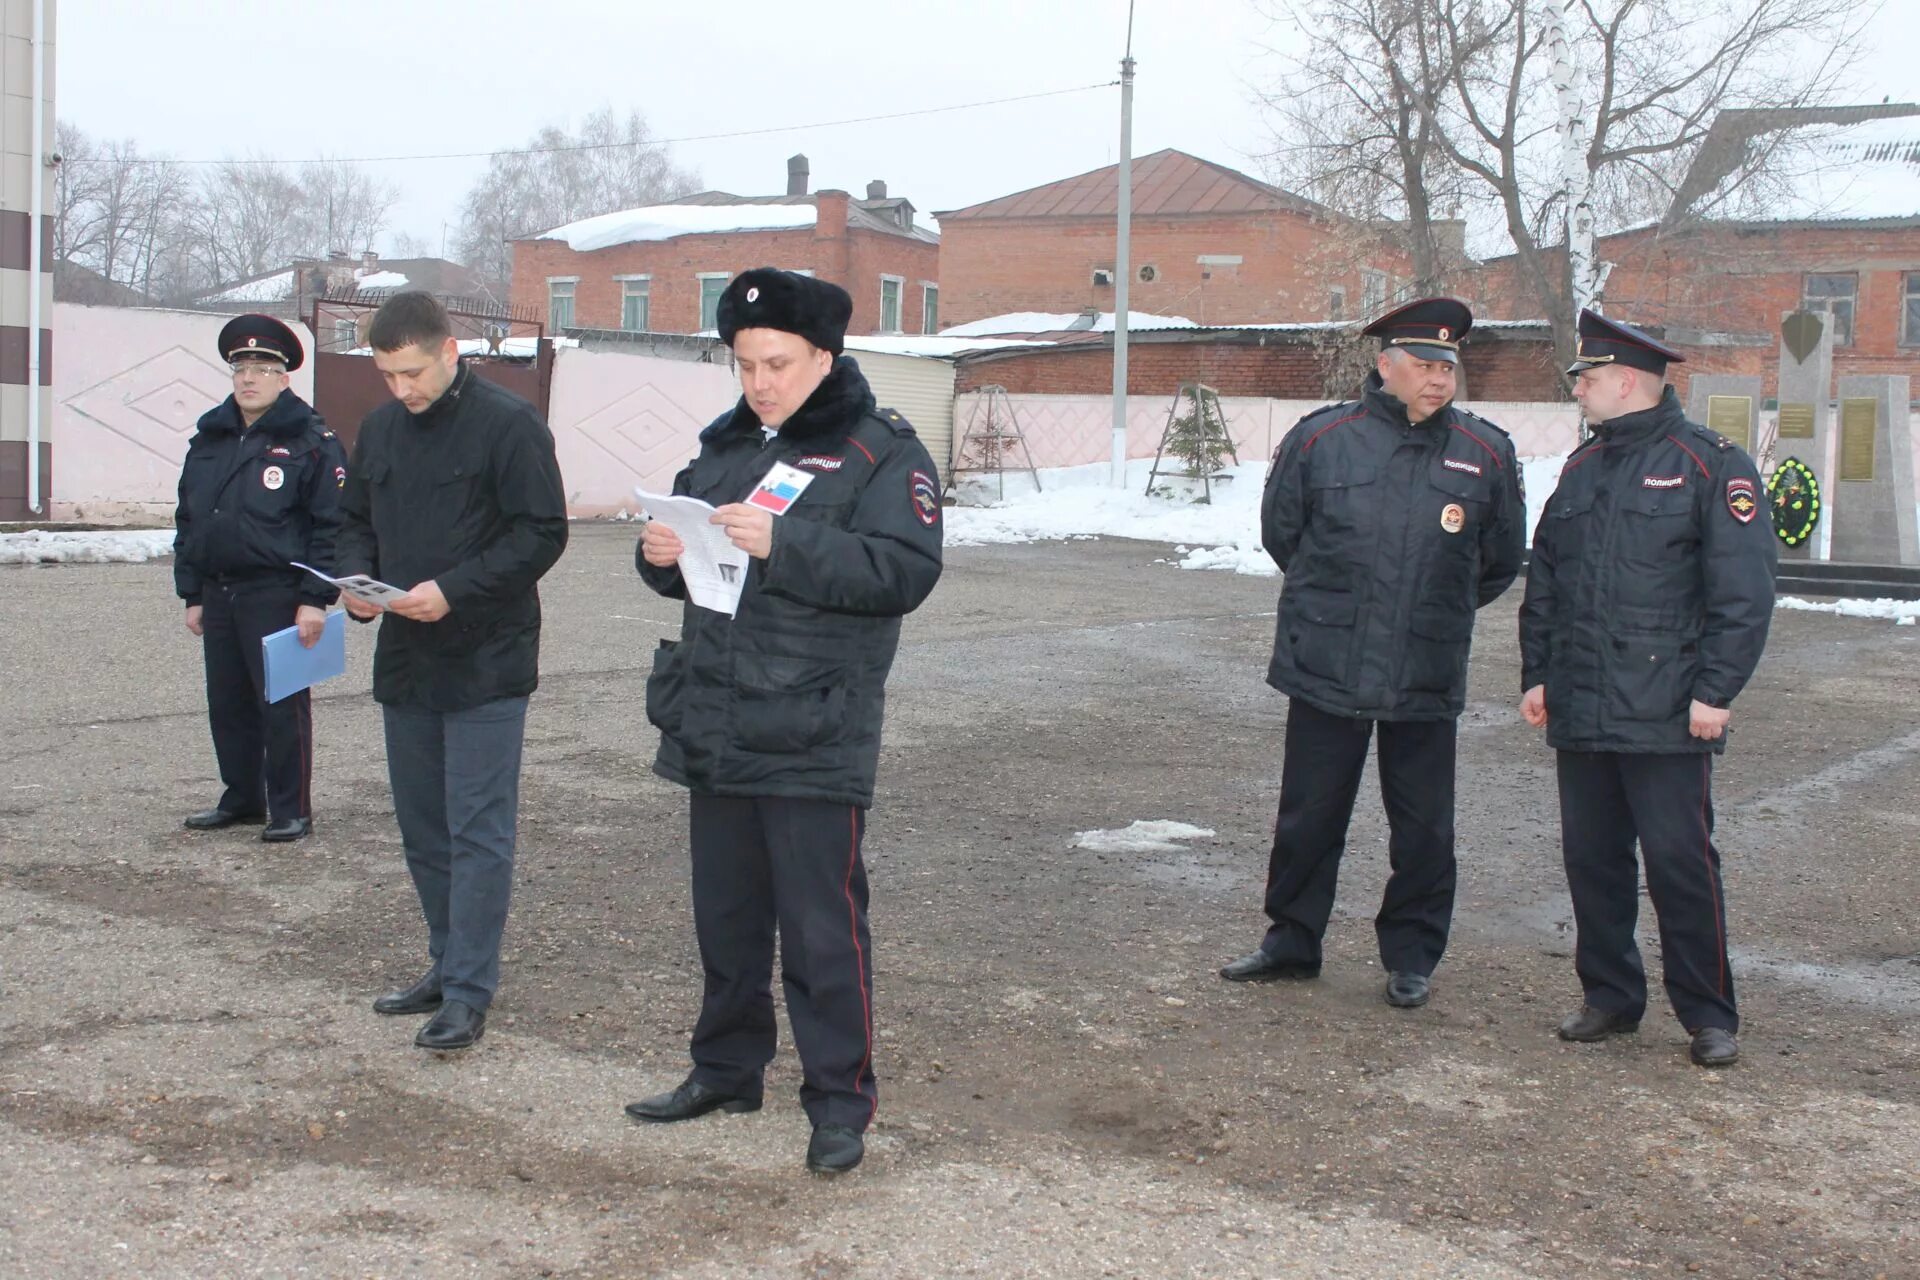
(712, 567)
(358, 585)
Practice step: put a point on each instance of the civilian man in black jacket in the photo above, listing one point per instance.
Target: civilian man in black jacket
(771, 718)
(1648, 601)
(1393, 519)
(259, 490)
(455, 495)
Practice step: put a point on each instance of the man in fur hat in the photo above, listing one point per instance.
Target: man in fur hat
(771, 718)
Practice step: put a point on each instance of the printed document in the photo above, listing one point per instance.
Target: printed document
(712, 567)
(358, 585)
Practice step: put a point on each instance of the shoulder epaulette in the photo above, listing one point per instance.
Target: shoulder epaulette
(1480, 421)
(896, 422)
(1711, 436)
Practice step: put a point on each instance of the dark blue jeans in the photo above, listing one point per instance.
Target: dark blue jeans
(456, 795)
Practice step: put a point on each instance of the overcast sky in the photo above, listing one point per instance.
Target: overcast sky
(353, 78)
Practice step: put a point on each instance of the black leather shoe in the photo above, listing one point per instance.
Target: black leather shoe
(287, 829)
(422, 997)
(456, 1026)
(689, 1102)
(834, 1148)
(214, 819)
(1714, 1047)
(1591, 1024)
(1261, 967)
(1407, 990)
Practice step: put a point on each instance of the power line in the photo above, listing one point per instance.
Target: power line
(608, 146)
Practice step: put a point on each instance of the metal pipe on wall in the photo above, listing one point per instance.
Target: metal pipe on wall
(36, 205)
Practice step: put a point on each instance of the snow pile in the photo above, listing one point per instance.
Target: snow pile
(1057, 321)
(1141, 837)
(666, 221)
(938, 348)
(1077, 502)
(380, 280)
(1900, 612)
(105, 546)
(1541, 475)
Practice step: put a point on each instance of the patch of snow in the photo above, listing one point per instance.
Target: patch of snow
(274, 288)
(1900, 612)
(380, 280)
(102, 546)
(1542, 476)
(1077, 502)
(1158, 836)
(668, 221)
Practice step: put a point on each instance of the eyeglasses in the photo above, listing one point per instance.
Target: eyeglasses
(244, 369)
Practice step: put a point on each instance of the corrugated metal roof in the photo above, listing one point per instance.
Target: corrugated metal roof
(1166, 183)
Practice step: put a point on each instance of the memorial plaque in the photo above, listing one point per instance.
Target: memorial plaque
(1859, 423)
(1732, 417)
(1796, 422)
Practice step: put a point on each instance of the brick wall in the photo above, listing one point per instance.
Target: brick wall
(852, 258)
(1740, 279)
(1286, 367)
(1291, 263)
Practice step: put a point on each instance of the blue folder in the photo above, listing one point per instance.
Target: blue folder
(292, 667)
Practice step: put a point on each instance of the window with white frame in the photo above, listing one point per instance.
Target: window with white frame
(560, 302)
(635, 297)
(1337, 302)
(1910, 311)
(929, 308)
(1833, 296)
(891, 288)
(1373, 293)
(712, 285)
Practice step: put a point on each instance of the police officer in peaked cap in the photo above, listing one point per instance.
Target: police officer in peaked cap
(771, 718)
(260, 489)
(1647, 605)
(1394, 518)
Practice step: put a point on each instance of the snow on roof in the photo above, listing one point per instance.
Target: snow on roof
(1850, 173)
(1050, 322)
(380, 280)
(666, 221)
(274, 288)
(937, 347)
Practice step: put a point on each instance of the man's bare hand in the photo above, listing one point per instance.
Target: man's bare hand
(360, 608)
(1533, 706)
(310, 620)
(424, 603)
(748, 528)
(660, 546)
(1707, 722)
(194, 624)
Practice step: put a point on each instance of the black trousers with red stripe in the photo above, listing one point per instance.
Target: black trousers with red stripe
(264, 749)
(767, 864)
(1607, 801)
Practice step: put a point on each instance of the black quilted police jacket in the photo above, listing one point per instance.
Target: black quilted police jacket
(1391, 535)
(1651, 584)
(786, 698)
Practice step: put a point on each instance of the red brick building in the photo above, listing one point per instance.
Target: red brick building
(661, 269)
(1842, 239)
(1208, 242)
(1502, 362)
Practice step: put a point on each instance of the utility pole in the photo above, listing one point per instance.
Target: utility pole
(1123, 266)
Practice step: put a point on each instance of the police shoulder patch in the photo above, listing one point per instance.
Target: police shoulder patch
(924, 494)
(1742, 502)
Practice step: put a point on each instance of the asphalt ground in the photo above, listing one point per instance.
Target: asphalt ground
(192, 1084)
